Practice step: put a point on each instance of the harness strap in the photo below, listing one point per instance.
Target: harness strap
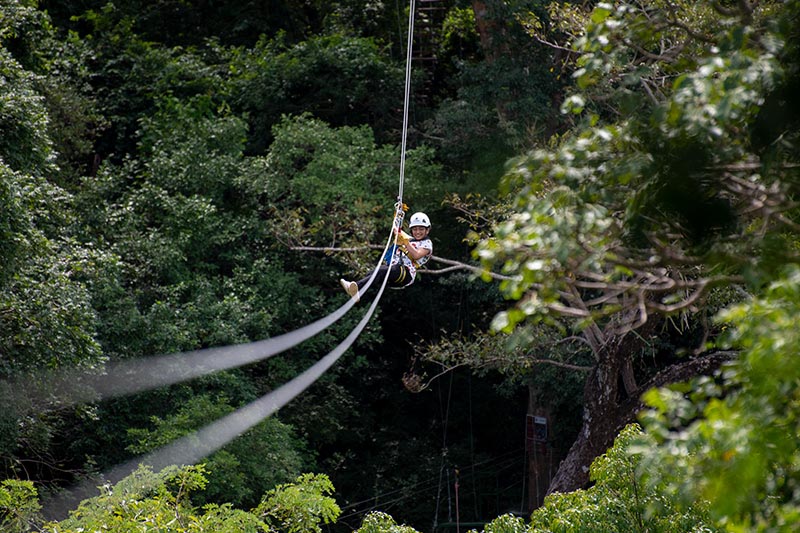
(401, 277)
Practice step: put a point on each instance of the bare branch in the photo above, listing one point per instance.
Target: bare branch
(561, 364)
(331, 249)
(649, 92)
(567, 311)
(413, 382)
(465, 266)
(555, 46)
(667, 57)
(702, 365)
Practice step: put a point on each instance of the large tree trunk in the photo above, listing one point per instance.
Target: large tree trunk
(485, 28)
(600, 422)
(607, 409)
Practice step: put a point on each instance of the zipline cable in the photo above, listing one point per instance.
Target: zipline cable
(121, 378)
(193, 447)
(217, 434)
(124, 377)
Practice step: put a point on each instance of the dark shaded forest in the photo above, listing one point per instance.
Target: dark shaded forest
(612, 190)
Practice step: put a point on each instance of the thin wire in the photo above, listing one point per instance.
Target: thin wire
(445, 419)
(504, 462)
(507, 457)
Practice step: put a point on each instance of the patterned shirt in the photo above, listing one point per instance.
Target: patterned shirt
(412, 266)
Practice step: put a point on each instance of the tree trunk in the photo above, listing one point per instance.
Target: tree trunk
(484, 27)
(600, 424)
(606, 411)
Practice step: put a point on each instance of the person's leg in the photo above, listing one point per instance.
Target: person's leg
(399, 276)
(378, 278)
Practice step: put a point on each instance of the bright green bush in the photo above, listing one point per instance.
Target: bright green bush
(377, 522)
(618, 500)
(19, 506)
(258, 460)
(300, 507)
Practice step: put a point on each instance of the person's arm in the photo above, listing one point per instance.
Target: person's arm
(416, 253)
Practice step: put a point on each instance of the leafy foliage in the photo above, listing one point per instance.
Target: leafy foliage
(618, 501)
(130, 75)
(740, 430)
(679, 177)
(19, 506)
(333, 186)
(378, 522)
(300, 506)
(343, 81)
(177, 221)
(158, 501)
(655, 198)
(47, 320)
(24, 145)
(246, 468)
(162, 501)
(499, 101)
(615, 202)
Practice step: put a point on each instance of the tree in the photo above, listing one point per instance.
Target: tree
(626, 495)
(378, 522)
(162, 501)
(146, 498)
(618, 500)
(300, 506)
(334, 186)
(194, 267)
(265, 456)
(657, 199)
(127, 75)
(341, 80)
(46, 316)
(497, 102)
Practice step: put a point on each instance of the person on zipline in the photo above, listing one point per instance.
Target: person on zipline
(412, 251)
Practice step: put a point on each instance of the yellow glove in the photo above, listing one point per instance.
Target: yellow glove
(402, 237)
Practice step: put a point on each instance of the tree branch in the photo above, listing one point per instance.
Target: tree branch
(677, 373)
(454, 265)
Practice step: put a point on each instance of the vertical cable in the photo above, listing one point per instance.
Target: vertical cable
(407, 97)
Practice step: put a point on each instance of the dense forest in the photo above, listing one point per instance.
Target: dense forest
(604, 339)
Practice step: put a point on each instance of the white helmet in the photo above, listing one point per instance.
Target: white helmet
(419, 219)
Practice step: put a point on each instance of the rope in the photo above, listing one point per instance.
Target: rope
(399, 212)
